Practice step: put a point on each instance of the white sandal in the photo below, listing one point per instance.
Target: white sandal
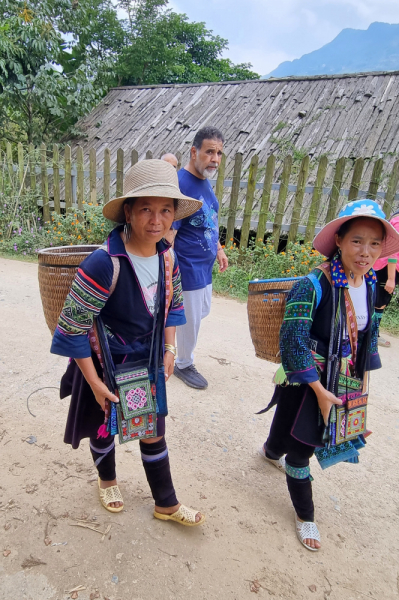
(183, 515)
(307, 530)
(279, 463)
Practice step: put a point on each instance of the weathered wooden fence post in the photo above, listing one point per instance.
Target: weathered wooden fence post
(10, 164)
(356, 179)
(336, 188)
(119, 173)
(391, 191)
(68, 179)
(179, 157)
(107, 175)
(93, 176)
(315, 204)
(148, 155)
(282, 197)
(21, 165)
(375, 179)
(251, 186)
(220, 183)
(44, 184)
(235, 188)
(134, 157)
(80, 188)
(298, 201)
(56, 179)
(32, 167)
(265, 202)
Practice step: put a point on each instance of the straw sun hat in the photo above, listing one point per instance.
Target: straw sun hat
(324, 241)
(151, 178)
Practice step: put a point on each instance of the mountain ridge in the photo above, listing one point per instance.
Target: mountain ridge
(351, 51)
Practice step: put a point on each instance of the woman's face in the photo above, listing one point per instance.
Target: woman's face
(361, 245)
(150, 218)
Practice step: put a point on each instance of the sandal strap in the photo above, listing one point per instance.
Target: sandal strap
(307, 530)
(111, 494)
(185, 514)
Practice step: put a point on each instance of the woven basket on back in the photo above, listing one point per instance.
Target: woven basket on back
(57, 268)
(266, 306)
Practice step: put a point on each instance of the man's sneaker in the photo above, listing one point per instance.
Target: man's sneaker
(191, 377)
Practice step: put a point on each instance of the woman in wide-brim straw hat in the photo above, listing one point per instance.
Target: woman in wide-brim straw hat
(130, 290)
(328, 344)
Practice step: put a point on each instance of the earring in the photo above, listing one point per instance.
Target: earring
(127, 231)
(352, 276)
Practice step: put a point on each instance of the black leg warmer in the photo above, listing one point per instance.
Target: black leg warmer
(157, 469)
(103, 453)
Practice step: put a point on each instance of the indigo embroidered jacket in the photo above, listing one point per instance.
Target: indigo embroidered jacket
(305, 332)
(124, 313)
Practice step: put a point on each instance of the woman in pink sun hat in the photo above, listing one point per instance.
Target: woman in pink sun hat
(328, 345)
(387, 271)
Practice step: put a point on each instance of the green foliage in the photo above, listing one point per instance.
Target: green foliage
(262, 262)
(59, 57)
(87, 226)
(280, 125)
(22, 231)
(39, 99)
(164, 47)
(390, 319)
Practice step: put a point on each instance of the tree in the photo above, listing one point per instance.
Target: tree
(58, 58)
(164, 47)
(39, 99)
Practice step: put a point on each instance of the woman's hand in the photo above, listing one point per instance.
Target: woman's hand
(99, 389)
(168, 363)
(325, 399)
(390, 286)
(102, 393)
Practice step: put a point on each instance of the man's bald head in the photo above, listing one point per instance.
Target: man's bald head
(171, 159)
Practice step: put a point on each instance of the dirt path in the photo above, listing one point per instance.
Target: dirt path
(213, 438)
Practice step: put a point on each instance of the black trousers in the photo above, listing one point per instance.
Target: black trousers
(280, 442)
(383, 297)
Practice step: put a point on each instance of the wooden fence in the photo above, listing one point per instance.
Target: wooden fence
(67, 179)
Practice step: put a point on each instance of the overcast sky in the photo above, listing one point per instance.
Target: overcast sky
(267, 32)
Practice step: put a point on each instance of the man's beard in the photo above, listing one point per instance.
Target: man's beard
(208, 173)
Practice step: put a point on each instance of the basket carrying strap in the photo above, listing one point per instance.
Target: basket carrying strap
(117, 267)
(169, 258)
(115, 275)
(316, 284)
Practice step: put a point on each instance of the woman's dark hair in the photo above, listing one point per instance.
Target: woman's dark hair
(345, 227)
(130, 202)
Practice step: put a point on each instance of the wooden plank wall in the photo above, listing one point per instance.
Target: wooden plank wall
(288, 196)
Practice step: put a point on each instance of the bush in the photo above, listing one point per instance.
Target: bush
(25, 234)
(87, 226)
(263, 262)
(390, 319)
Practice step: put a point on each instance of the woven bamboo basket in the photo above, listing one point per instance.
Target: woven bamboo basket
(266, 306)
(57, 268)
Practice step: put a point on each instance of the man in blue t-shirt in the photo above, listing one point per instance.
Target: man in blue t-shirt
(197, 247)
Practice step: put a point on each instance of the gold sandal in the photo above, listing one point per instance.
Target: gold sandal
(109, 495)
(184, 516)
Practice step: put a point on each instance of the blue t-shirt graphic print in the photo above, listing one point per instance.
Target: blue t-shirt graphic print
(197, 236)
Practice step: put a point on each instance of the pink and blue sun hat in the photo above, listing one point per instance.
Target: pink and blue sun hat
(324, 241)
